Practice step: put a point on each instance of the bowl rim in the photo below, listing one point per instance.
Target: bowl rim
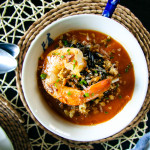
(53, 24)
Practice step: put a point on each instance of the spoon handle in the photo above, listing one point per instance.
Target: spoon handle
(110, 7)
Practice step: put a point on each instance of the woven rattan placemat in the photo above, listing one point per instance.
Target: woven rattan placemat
(121, 14)
(17, 16)
(10, 121)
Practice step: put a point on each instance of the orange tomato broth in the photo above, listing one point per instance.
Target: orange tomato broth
(127, 77)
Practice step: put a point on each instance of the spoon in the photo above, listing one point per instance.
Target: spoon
(110, 7)
(12, 49)
(7, 62)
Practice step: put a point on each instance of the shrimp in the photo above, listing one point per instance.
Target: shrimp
(62, 62)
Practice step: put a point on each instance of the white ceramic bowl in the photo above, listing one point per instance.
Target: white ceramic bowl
(55, 123)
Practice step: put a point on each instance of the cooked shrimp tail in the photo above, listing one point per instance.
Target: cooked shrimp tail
(78, 97)
(97, 89)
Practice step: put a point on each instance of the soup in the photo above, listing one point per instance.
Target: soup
(105, 59)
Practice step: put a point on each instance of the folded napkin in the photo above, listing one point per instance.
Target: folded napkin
(143, 143)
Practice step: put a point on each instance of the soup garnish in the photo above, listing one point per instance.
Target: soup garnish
(86, 76)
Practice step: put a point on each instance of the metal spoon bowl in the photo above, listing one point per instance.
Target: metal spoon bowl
(7, 62)
(12, 49)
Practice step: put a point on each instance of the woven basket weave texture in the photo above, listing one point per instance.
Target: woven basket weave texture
(10, 121)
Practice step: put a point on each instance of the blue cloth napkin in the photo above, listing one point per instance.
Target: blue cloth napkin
(143, 143)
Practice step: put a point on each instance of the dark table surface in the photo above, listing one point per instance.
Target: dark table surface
(140, 8)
